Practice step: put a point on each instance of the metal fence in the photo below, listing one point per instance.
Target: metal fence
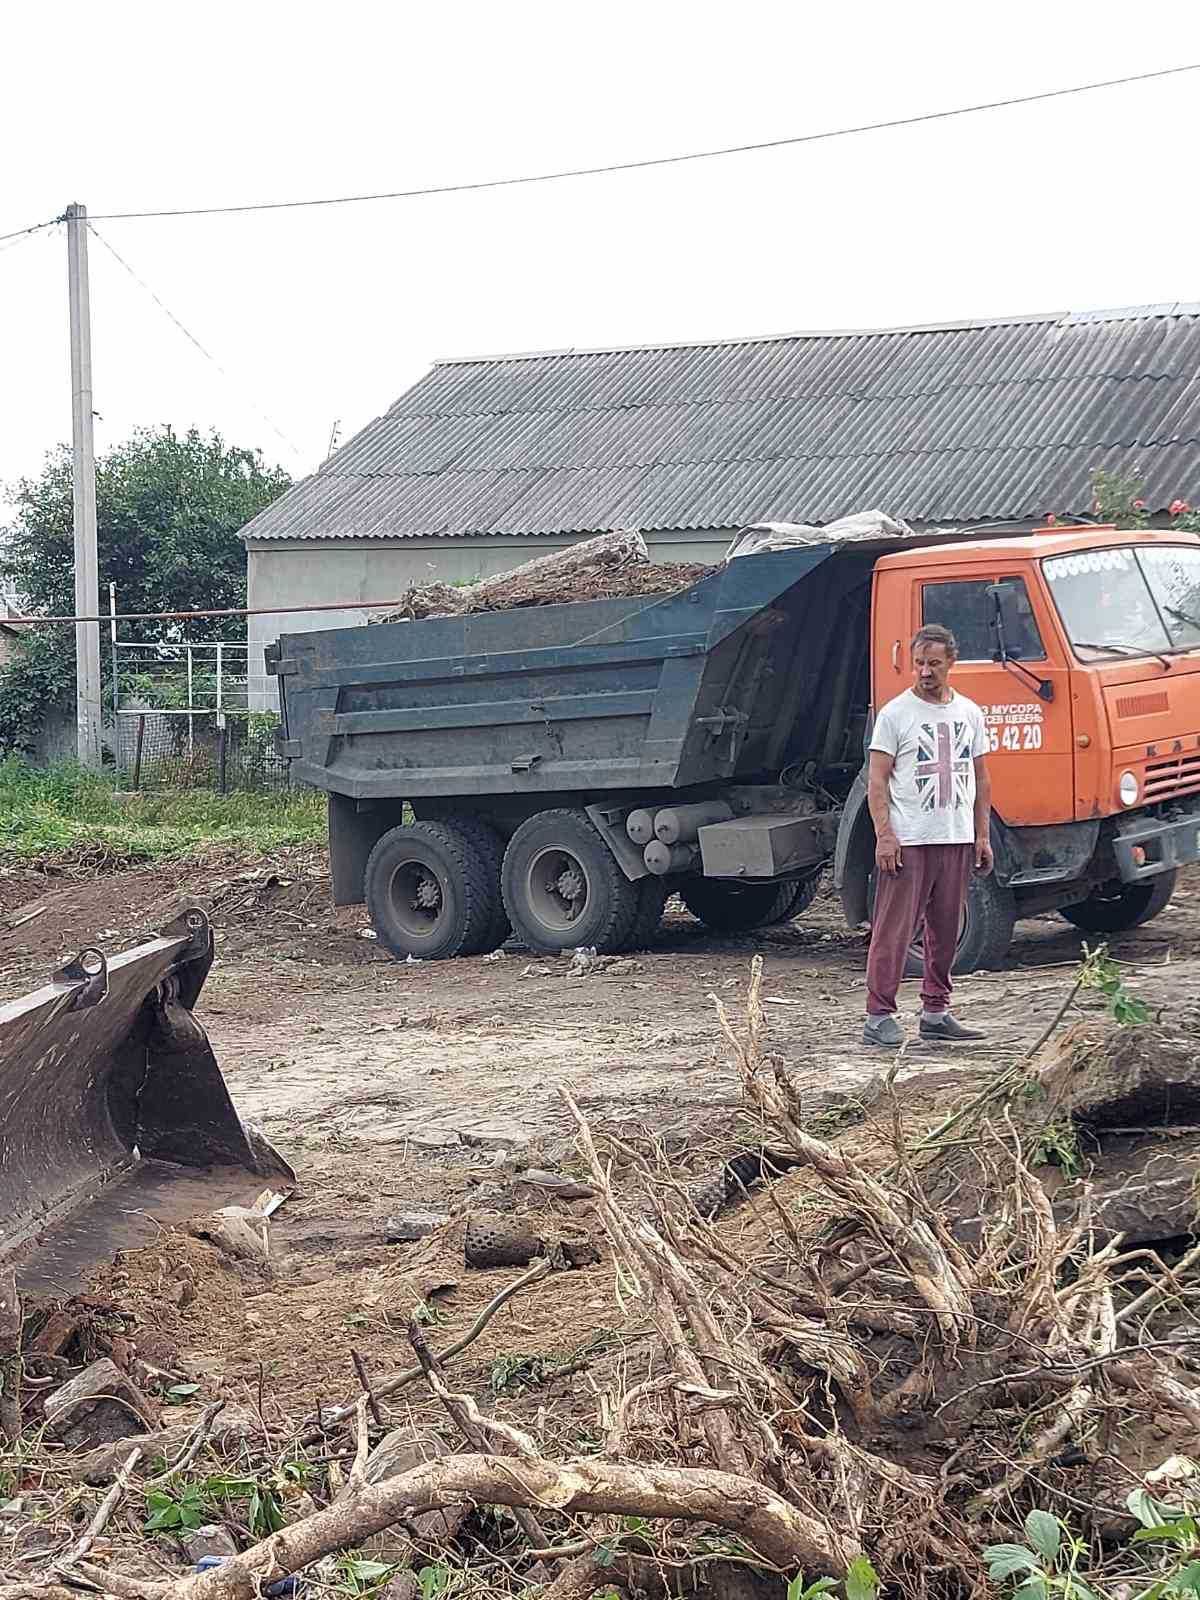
(183, 718)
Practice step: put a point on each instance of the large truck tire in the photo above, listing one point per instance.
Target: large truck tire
(562, 887)
(985, 933)
(429, 891)
(652, 900)
(728, 907)
(795, 903)
(1131, 906)
(490, 844)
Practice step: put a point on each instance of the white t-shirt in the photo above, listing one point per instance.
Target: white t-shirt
(932, 787)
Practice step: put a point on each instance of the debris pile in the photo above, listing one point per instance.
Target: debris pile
(822, 1369)
(610, 566)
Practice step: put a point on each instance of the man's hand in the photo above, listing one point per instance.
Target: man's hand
(887, 853)
(985, 860)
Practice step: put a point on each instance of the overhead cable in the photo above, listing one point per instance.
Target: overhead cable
(654, 161)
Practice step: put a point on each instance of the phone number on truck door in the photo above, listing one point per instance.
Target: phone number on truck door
(1017, 726)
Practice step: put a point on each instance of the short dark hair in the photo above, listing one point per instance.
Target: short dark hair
(934, 633)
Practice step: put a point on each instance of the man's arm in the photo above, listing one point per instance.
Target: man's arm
(887, 846)
(984, 859)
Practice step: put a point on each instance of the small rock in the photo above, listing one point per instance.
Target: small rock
(100, 1466)
(240, 1231)
(553, 1183)
(213, 1539)
(99, 1406)
(408, 1226)
(402, 1450)
(403, 1586)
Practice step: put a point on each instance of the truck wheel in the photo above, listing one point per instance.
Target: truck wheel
(794, 901)
(563, 888)
(652, 897)
(428, 891)
(490, 845)
(1115, 908)
(985, 932)
(736, 907)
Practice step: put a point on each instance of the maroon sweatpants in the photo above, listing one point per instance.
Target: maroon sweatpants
(931, 887)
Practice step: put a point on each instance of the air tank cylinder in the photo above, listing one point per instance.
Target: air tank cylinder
(664, 858)
(639, 825)
(682, 824)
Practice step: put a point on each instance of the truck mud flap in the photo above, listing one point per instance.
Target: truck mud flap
(114, 1117)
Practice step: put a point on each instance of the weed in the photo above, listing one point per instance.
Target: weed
(190, 1504)
(1057, 1145)
(861, 1583)
(1099, 971)
(66, 808)
(1048, 1565)
(360, 1575)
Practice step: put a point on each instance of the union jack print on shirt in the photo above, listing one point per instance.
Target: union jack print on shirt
(944, 765)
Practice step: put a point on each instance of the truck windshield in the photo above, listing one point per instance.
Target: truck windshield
(1128, 600)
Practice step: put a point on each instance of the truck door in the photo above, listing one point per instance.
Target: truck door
(1030, 738)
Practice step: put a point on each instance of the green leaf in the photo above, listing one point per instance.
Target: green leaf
(1003, 1560)
(165, 1517)
(1165, 1530)
(862, 1583)
(1044, 1532)
(819, 1586)
(1187, 1579)
(360, 1570)
(1142, 1506)
(182, 1391)
(1033, 1589)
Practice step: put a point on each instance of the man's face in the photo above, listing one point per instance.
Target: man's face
(931, 668)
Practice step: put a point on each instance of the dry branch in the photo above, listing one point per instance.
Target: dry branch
(100, 1521)
(780, 1534)
(11, 1367)
(337, 1416)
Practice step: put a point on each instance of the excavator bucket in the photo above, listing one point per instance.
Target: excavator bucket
(114, 1116)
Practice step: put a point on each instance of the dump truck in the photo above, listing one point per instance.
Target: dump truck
(558, 770)
(114, 1117)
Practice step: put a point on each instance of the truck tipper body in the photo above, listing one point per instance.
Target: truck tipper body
(559, 770)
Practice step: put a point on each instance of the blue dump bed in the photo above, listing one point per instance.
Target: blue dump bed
(732, 678)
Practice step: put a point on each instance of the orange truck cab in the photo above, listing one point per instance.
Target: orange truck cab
(1081, 645)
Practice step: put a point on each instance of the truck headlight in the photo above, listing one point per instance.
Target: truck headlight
(1127, 789)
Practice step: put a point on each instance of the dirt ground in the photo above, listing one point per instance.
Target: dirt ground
(427, 1086)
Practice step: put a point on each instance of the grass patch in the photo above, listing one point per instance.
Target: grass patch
(64, 810)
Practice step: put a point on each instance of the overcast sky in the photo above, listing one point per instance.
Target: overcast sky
(324, 316)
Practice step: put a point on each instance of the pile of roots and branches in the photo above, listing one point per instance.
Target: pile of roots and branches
(862, 1386)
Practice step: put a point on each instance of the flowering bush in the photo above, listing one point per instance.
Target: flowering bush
(1117, 498)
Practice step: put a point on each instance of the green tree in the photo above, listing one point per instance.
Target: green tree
(168, 510)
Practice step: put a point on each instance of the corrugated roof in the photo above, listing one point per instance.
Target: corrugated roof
(966, 422)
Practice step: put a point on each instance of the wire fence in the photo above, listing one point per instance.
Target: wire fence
(207, 749)
(185, 718)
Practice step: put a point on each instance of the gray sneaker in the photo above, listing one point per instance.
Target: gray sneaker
(883, 1031)
(947, 1027)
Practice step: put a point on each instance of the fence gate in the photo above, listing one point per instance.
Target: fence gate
(183, 717)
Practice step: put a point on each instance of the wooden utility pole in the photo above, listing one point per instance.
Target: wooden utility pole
(87, 584)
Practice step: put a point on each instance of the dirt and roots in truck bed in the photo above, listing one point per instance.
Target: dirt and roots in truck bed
(907, 1349)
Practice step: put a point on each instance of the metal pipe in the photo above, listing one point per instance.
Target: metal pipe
(234, 611)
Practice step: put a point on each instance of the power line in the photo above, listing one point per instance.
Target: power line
(37, 227)
(655, 161)
(192, 339)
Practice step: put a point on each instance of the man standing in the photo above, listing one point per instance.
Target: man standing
(930, 800)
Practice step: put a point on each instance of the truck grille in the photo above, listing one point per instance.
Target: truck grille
(1177, 774)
